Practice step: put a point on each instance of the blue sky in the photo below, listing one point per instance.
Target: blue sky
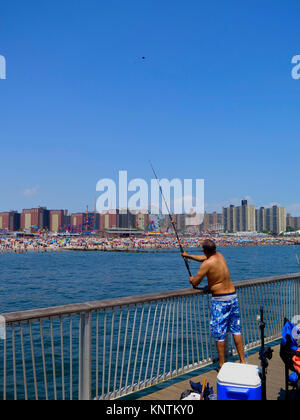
(213, 99)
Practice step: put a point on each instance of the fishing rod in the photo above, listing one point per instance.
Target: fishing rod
(173, 223)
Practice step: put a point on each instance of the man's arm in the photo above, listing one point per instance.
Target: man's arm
(199, 258)
(201, 274)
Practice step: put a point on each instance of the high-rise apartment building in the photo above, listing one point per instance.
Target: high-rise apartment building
(126, 219)
(37, 218)
(212, 222)
(58, 220)
(246, 217)
(10, 221)
(276, 219)
(292, 222)
(230, 219)
(297, 222)
(108, 219)
(261, 219)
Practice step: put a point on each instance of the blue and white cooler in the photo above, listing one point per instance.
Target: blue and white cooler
(239, 382)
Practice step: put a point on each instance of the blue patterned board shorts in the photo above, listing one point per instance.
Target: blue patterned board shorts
(225, 317)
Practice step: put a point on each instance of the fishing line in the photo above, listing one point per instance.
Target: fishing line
(172, 222)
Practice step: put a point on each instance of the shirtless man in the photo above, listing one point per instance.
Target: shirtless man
(225, 313)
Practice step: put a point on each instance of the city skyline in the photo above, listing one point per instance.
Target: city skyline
(292, 210)
(242, 218)
(236, 202)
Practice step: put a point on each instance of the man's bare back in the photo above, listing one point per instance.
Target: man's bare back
(219, 281)
(214, 267)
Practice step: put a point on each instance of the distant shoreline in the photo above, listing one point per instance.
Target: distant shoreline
(135, 244)
(145, 250)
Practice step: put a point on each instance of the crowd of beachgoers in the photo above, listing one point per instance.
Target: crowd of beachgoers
(157, 242)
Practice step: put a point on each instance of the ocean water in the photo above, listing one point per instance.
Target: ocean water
(38, 280)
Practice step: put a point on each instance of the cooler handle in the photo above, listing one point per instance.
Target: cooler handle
(234, 393)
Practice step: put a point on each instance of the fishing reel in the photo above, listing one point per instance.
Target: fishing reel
(265, 355)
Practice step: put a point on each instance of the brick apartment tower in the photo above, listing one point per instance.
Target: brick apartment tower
(38, 217)
(109, 219)
(58, 220)
(10, 221)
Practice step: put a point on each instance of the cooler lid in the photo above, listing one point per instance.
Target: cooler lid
(236, 374)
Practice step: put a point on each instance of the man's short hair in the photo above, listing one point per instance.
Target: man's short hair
(209, 246)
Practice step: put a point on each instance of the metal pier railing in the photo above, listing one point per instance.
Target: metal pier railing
(111, 348)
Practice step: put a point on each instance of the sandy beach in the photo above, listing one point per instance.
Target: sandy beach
(145, 243)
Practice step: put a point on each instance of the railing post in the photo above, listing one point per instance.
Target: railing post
(228, 353)
(85, 356)
(298, 296)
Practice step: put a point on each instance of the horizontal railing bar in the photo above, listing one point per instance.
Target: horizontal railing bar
(264, 280)
(94, 306)
(52, 312)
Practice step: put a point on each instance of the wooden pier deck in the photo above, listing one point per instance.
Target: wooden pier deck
(275, 381)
